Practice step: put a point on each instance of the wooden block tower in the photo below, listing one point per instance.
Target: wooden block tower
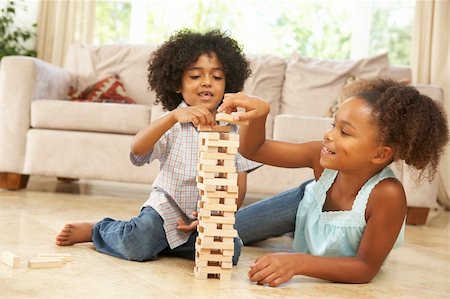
(217, 184)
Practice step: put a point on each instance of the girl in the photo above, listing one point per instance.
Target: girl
(190, 74)
(352, 214)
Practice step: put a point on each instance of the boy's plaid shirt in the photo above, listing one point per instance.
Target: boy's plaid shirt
(175, 194)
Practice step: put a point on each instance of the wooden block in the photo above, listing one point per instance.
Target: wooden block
(10, 259)
(222, 143)
(208, 149)
(220, 182)
(38, 263)
(229, 150)
(229, 119)
(206, 255)
(221, 194)
(218, 232)
(228, 240)
(218, 219)
(214, 188)
(227, 226)
(229, 136)
(206, 175)
(227, 175)
(212, 272)
(227, 163)
(226, 265)
(228, 252)
(218, 200)
(210, 269)
(210, 162)
(218, 207)
(222, 129)
(216, 156)
(217, 168)
(209, 135)
(66, 257)
(210, 200)
(202, 244)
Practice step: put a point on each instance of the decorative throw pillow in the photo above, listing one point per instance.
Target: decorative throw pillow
(108, 90)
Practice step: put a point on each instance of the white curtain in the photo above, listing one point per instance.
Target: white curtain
(431, 64)
(62, 23)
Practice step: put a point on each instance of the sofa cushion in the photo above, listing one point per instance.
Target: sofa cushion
(266, 82)
(86, 116)
(312, 85)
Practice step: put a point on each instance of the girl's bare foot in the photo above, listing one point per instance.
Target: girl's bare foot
(73, 233)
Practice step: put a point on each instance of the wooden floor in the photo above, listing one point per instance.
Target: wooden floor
(30, 219)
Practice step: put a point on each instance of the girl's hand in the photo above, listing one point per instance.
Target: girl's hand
(255, 107)
(197, 115)
(272, 269)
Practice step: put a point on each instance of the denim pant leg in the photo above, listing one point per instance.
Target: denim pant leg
(187, 250)
(139, 239)
(271, 217)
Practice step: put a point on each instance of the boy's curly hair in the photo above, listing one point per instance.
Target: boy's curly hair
(412, 123)
(168, 62)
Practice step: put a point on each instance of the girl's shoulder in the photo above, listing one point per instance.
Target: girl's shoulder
(387, 197)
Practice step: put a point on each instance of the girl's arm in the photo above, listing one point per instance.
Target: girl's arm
(242, 185)
(385, 214)
(255, 146)
(144, 141)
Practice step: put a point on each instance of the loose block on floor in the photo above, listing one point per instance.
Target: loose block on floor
(10, 259)
(45, 262)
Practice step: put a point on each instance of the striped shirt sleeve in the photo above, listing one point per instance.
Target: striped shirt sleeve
(156, 154)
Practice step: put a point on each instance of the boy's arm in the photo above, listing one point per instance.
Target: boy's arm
(144, 141)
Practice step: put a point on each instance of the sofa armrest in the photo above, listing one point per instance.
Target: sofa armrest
(294, 128)
(23, 79)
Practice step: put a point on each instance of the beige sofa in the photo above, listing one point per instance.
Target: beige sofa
(43, 134)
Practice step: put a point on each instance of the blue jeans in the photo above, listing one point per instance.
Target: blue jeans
(271, 217)
(143, 238)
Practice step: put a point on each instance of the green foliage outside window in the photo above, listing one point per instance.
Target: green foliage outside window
(13, 40)
(312, 28)
(112, 22)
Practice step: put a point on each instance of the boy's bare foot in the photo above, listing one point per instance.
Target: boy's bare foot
(73, 233)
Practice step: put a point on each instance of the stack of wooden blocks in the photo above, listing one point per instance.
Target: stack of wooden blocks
(217, 183)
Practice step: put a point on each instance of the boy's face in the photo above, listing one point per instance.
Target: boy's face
(203, 83)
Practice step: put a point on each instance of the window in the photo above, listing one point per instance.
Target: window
(323, 29)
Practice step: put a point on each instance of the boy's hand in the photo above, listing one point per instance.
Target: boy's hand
(255, 107)
(186, 228)
(198, 115)
(272, 269)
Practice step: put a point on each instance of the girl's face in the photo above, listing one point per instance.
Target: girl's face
(203, 83)
(353, 140)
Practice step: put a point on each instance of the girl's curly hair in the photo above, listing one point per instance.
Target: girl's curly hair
(412, 123)
(168, 62)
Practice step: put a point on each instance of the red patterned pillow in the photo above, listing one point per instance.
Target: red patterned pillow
(108, 90)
